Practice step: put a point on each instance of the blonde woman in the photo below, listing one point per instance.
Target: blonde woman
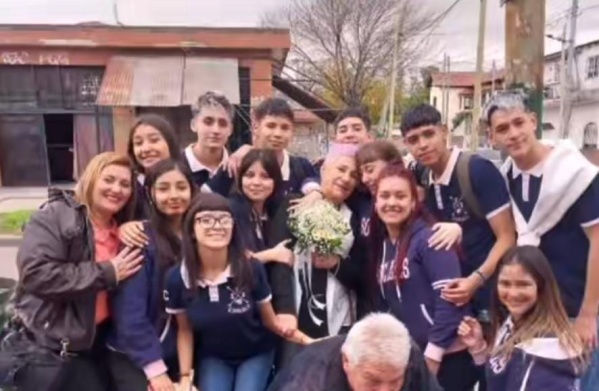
(67, 262)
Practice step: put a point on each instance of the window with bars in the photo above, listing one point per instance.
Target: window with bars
(49, 87)
(592, 67)
(590, 136)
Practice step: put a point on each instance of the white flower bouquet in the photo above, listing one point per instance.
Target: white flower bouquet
(320, 228)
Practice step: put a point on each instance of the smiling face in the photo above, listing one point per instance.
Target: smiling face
(427, 144)
(394, 201)
(213, 126)
(171, 193)
(339, 177)
(112, 190)
(149, 146)
(513, 131)
(369, 173)
(371, 377)
(274, 132)
(517, 290)
(352, 130)
(256, 184)
(213, 229)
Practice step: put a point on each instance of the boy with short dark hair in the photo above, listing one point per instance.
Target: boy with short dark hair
(467, 190)
(352, 126)
(273, 127)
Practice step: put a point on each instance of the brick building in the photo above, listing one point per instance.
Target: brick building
(70, 92)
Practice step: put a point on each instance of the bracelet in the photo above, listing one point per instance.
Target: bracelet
(481, 276)
(184, 375)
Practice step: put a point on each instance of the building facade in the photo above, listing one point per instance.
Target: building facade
(70, 92)
(584, 120)
(453, 95)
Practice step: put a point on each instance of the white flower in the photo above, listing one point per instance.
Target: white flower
(319, 227)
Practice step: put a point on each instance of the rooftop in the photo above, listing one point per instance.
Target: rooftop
(100, 35)
(463, 79)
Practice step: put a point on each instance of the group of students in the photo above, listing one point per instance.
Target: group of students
(169, 266)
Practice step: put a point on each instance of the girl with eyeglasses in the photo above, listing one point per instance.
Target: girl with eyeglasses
(221, 300)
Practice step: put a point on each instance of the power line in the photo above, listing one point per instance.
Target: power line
(435, 22)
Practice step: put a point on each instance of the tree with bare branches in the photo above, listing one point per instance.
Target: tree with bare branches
(345, 47)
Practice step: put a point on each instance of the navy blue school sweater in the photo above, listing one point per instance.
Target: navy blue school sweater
(252, 230)
(416, 301)
(541, 364)
(294, 174)
(140, 326)
(142, 201)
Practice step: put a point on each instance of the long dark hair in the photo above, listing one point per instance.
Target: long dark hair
(168, 244)
(241, 269)
(547, 317)
(268, 159)
(378, 231)
(163, 127)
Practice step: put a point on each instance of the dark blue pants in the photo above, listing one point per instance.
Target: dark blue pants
(458, 372)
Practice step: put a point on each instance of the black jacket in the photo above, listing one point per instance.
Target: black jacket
(58, 276)
(350, 272)
(319, 368)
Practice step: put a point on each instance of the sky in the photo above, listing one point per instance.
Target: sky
(456, 35)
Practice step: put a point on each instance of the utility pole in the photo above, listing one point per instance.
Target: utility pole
(525, 51)
(478, 84)
(394, 71)
(564, 90)
(444, 89)
(572, 82)
(493, 77)
(446, 86)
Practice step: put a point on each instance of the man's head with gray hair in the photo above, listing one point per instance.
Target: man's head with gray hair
(212, 120)
(376, 352)
(512, 125)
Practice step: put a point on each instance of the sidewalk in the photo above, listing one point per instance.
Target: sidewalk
(19, 198)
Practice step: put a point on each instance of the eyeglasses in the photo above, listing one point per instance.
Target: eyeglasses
(210, 221)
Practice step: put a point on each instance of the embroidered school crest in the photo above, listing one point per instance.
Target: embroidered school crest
(459, 213)
(239, 303)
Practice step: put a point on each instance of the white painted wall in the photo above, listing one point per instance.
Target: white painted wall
(583, 112)
(454, 103)
(581, 116)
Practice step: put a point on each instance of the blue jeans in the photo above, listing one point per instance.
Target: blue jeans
(590, 380)
(249, 375)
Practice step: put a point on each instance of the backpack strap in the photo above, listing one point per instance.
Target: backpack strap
(465, 183)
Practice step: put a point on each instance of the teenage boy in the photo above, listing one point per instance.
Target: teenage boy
(273, 129)
(212, 121)
(482, 210)
(352, 126)
(555, 201)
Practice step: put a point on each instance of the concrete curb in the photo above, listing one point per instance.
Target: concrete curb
(10, 240)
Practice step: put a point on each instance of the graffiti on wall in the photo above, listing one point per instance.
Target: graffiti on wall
(15, 58)
(24, 58)
(54, 59)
